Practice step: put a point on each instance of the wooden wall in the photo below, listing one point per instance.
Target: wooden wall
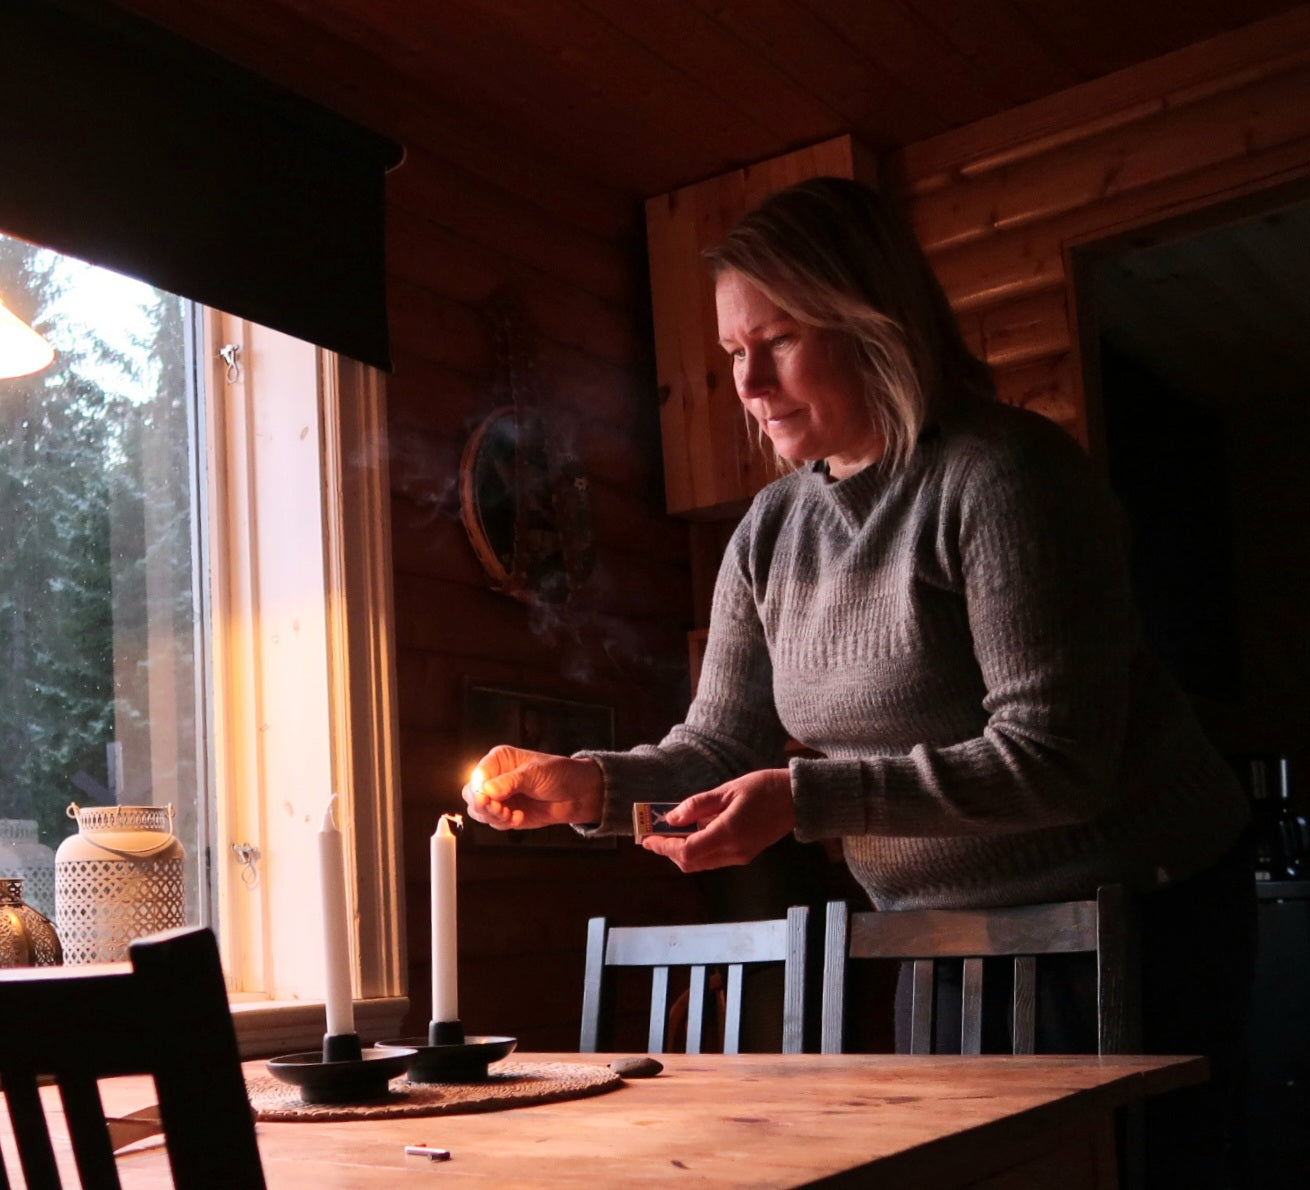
(573, 255)
(1000, 205)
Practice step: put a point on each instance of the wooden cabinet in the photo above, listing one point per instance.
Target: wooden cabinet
(711, 465)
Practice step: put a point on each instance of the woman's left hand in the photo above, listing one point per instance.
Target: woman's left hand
(737, 821)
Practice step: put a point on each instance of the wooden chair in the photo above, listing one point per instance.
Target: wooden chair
(165, 1014)
(1101, 927)
(698, 947)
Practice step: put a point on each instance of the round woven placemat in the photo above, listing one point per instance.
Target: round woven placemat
(508, 1084)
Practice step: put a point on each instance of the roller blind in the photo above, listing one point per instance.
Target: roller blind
(133, 149)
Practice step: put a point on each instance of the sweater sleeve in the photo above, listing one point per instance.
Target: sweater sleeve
(1032, 538)
(731, 728)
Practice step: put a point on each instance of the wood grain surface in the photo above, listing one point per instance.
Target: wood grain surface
(753, 1120)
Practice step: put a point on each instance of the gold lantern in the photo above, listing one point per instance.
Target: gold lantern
(27, 939)
(119, 878)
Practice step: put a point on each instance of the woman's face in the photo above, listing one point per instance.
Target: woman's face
(798, 381)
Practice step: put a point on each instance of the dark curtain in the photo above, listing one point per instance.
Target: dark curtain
(133, 149)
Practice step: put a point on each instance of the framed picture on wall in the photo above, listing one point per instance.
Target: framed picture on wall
(543, 723)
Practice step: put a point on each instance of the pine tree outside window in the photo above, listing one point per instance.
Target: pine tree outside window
(99, 601)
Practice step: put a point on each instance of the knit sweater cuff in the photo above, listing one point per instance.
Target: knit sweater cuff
(620, 771)
(829, 798)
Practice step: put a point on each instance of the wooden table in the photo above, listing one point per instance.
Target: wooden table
(761, 1121)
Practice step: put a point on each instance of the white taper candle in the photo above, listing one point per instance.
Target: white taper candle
(445, 963)
(336, 926)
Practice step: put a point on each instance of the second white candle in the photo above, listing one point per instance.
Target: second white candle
(445, 968)
(336, 927)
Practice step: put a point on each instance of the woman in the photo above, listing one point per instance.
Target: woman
(935, 600)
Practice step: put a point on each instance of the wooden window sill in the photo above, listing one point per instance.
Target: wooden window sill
(266, 1028)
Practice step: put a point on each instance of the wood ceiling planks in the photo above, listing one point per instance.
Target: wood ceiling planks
(643, 97)
(1003, 43)
(900, 44)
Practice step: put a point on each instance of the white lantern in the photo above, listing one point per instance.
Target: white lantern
(24, 857)
(119, 878)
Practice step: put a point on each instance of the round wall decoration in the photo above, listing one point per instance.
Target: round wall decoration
(524, 502)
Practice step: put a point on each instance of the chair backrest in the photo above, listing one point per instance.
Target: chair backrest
(697, 947)
(166, 1014)
(1101, 927)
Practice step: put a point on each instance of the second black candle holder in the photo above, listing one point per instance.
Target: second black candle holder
(446, 1055)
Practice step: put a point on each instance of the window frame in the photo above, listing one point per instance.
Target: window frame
(287, 413)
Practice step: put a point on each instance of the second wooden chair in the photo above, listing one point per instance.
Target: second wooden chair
(1101, 927)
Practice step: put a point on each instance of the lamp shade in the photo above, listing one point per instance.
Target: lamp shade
(22, 350)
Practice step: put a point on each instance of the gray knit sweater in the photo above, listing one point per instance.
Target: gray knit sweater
(958, 640)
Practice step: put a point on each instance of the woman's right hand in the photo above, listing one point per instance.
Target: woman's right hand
(522, 790)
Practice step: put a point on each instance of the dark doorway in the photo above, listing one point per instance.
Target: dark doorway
(1201, 374)
(1197, 349)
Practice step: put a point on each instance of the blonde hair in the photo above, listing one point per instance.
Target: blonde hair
(833, 254)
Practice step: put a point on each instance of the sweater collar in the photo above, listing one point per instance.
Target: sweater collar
(856, 496)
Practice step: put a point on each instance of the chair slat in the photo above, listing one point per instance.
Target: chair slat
(92, 1147)
(1118, 988)
(794, 974)
(971, 1004)
(836, 944)
(732, 1010)
(35, 1153)
(696, 1010)
(921, 1008)
(592, 986)
(1023, 1025)
(659, 1008)
(1059, 928)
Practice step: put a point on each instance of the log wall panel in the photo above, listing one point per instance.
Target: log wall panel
(430, 397)
(438, 329)
(583, 384)
(1000, 206)
(477, 218)
(1221, 61)
(418, 250)
(1154, 144)
(1028, 329)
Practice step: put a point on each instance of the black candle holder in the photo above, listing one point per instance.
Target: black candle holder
(343, 1071)
(446, 1055)
(342, 1047)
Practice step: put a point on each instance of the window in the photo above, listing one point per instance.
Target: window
(99, 600)
(195, 610)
